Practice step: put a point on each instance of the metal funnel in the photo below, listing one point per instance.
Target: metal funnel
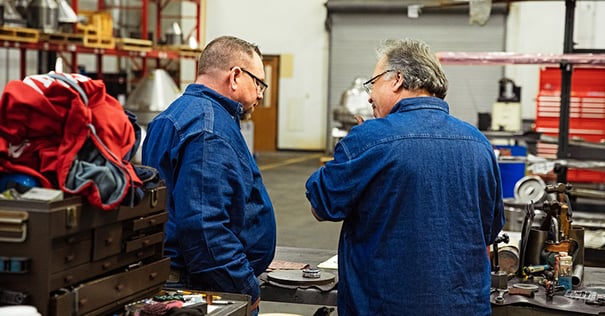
(11, 15)
(153, 95)
(66, 13)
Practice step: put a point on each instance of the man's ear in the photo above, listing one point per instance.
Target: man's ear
(398, 83)
(234, 76)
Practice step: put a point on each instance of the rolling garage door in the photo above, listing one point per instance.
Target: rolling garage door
(355, 34)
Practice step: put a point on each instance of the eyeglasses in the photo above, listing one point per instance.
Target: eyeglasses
(368, 85)
(260, 85)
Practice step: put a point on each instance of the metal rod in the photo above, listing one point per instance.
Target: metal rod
(566, 73)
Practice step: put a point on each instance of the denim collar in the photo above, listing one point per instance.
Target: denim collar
(234, 108)
(416, 103)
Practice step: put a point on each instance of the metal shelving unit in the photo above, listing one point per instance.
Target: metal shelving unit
(69, 50)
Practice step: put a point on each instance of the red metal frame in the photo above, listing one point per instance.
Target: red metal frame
(75, 49)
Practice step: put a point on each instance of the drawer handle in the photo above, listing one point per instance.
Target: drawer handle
(69, 258)
(153, 275)
(108, 241)
(69, 278)
(72, 217)
(153, 199)
(106, 265)
(119, 287)
(15, 225)
(83, 301)
(152, 222)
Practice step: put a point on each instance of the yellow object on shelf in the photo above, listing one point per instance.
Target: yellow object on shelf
(134, 44)
(19, 34)
(99, 23)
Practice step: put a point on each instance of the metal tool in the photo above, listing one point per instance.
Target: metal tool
(499, 277)
(530, 213)
(499, 299)
(503, 238)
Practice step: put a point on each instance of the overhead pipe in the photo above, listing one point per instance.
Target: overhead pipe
(371, 7)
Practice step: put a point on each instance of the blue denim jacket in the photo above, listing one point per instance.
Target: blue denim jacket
(221, 231)
(419, 194)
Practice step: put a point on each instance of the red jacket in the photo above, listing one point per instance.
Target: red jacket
(48, 130)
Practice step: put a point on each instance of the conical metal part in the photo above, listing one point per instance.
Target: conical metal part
(153, 95)
(66, 13)
(11, 15)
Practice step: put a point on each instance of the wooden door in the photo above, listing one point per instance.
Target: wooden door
(265, 114)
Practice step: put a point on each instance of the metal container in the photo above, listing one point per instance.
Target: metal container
(11, 16)
(43, 15)
(514, 215)
(174, 34)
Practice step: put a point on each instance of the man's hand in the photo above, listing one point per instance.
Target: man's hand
(359, 119)
(253, 306)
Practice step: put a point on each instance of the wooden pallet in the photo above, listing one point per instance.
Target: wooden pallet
(183, 50)
(134, 44)
(80, 39)
(69, 38)
(19, 34)
(99, 42)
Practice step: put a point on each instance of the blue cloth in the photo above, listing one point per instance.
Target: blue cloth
(221, 231)
(420, 197)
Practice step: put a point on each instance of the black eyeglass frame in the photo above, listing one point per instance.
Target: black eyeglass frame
(259, 83)
(370, 83)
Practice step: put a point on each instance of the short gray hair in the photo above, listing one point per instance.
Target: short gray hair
(225, 52)
(417, 63)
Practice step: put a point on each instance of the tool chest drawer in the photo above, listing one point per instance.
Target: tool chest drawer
(51, 251)
(103, 292)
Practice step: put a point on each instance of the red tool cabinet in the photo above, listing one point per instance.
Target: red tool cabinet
(587, 113)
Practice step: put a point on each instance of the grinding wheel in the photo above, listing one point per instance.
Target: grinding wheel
(295, 277)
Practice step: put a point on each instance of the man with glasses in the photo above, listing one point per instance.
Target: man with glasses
(419, 194)
(221, 231)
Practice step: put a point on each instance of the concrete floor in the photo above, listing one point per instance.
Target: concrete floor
(284, 174)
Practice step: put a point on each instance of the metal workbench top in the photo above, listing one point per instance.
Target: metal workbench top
(514, 305)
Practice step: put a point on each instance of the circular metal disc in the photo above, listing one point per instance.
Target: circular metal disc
(295, 277)
(530, 188)
(526, 286)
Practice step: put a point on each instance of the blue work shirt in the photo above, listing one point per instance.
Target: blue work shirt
(420, 197)
(221, 231)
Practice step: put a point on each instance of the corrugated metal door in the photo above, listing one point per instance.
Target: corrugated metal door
(354, 37)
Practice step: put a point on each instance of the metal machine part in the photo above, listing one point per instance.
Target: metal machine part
(498, 275)
(530, 188)
(11, 15)
(527, 224)
(295, 277)
(152, 95)
(311, 273)
(43, 15)
(174, 34)
(508, 259)
(514, 214)
(354, 101)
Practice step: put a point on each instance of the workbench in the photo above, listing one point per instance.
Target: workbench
(593, 277)
(516, 305)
